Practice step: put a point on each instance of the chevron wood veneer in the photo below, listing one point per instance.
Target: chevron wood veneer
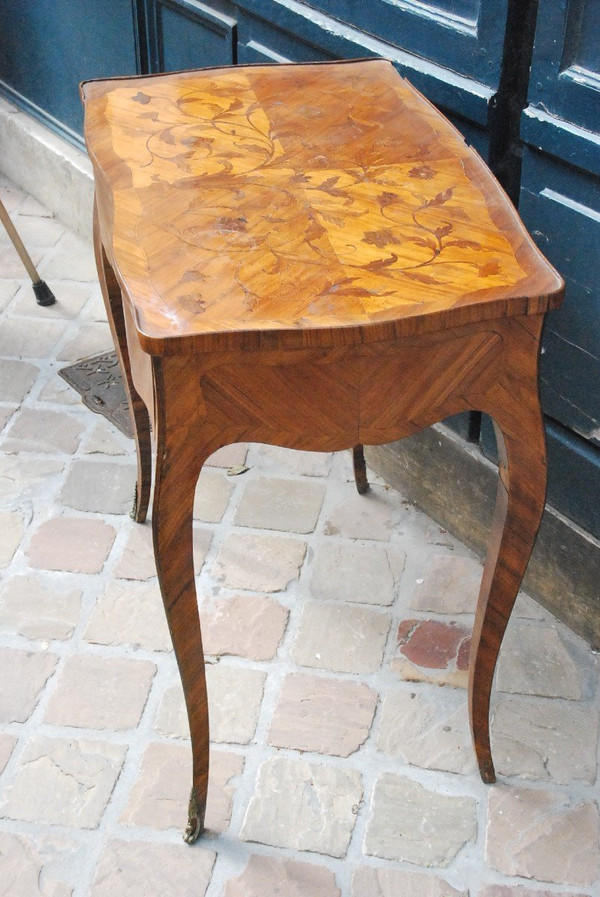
(311, 256)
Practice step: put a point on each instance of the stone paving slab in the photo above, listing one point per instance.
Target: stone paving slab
(342, 639)
(324, 716)
(271, 876)
(337, 632)
(370, 882)
(304, 806)
(411, 823)
(538, 834)
(93, 692)
(63, 781)
(128, 868)
(32, 607)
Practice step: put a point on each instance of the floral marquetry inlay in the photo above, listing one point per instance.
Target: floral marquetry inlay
(301, 197)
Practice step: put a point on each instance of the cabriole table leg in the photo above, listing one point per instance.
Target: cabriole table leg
(111, 293)
(520, 501)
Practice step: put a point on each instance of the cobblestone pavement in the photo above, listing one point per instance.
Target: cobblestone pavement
(339, 764)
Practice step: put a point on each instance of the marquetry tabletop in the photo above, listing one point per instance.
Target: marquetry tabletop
(301, 200)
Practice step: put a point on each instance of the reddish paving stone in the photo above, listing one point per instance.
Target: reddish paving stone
(273, 877)
(432, 644)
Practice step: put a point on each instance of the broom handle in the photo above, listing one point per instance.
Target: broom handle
(18, 244)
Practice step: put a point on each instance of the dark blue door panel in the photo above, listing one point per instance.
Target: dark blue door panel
(571, 391)
(186, 34)
(565, 72)
(573, 473)
(261, 40)
(269, 29)
(561, 207)
(48, 46)
(465, 36)
(560, 203)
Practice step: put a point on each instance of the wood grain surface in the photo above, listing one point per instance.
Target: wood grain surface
(310, 256)
(297, 202)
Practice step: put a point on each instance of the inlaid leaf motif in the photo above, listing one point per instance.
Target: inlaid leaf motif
(420, 277)
(380, 264)
(440, 198)
(464, 244)
(387, 199)
(328, 186)
(381, 238)
(443, 230)
(337, 220)
(424, 172)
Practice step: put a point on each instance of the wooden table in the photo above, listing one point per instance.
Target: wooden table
(311, 256)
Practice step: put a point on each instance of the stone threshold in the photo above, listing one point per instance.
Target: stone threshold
(446, 477)
(47, 167)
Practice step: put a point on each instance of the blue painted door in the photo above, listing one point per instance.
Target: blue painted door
(560, 204)
(48, 46)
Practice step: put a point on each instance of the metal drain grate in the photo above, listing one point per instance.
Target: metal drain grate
(99, 383)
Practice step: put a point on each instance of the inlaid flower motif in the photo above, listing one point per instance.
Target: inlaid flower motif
(424, 172)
